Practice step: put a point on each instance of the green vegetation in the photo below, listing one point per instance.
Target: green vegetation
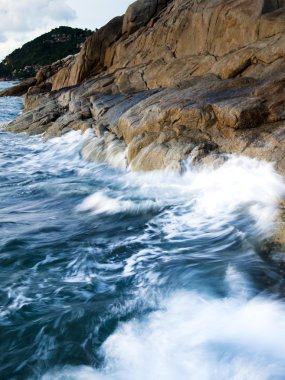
(44, 50)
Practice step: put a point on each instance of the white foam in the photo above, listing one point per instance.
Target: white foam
(200, 199)
(17, 299)
(240, 186)
(100, 203)
(112, 152)
(197, 338)
(237, 283)
(74, 373)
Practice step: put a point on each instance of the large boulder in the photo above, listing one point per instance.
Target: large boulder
(140, 12)
(92, 55)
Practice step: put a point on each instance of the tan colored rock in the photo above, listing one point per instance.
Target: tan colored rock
(46, 73)
(157, 156)
(234, 64)
(140, 12)
(171, 78)
(140, 142)
(272, 23)
(272, 94)
(240, 113)
(181, 39)
(91, 58)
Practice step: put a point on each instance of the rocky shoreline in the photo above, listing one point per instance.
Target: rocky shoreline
(172, 80)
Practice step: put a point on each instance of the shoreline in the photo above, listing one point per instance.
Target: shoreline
(175, 100)
(164, 94)
(142, 200)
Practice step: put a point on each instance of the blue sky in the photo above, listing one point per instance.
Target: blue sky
(23, 20)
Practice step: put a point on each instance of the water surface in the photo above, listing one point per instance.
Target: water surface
(111, 275)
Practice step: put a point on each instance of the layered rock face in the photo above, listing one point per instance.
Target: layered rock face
(171, 80)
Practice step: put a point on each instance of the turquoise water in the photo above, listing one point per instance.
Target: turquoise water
(107, 274)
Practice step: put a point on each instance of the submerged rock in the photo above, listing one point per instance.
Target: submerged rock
(274, 246)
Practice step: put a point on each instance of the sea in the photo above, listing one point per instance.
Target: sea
(106, 274)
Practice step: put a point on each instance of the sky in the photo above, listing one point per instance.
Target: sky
(23, 20)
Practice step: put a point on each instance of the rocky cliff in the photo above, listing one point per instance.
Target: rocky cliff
(173, 79)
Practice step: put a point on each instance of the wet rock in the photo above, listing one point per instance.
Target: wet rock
(19, 89)
(106, 149)
(100, 130)
(156, 156)
(275, 245)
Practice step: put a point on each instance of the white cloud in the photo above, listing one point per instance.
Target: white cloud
(19, 17)
(96, 13)
(24, 20)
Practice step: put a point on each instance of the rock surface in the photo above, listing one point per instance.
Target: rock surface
(171, 80)
(19, 89)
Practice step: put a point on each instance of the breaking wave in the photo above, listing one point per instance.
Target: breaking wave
(113, 275)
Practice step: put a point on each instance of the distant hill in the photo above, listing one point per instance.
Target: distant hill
(43, 50)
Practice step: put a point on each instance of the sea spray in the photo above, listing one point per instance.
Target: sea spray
(109, 274)
(194, 336)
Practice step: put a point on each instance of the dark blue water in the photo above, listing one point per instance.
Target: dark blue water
(107, 274)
